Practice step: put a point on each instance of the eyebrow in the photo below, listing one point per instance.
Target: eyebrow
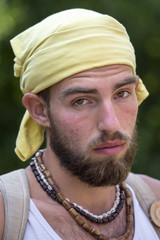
(126, 81)
(74, 90)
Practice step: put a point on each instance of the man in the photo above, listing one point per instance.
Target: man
(77, 73)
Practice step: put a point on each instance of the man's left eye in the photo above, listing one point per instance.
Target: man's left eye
(122, 94)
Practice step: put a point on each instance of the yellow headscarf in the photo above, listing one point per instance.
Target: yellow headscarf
(61, 45)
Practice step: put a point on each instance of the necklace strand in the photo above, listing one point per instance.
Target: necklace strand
(103, 218)
(85, 212)
(58, 196)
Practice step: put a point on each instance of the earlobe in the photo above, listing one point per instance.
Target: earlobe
(37, 108)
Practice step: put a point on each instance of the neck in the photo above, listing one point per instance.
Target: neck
(94, 199)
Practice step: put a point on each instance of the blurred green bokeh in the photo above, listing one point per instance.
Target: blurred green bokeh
(142, 20)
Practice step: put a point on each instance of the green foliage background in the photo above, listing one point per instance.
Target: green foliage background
(142, 20)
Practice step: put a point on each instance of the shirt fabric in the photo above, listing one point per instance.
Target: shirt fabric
(38, 228)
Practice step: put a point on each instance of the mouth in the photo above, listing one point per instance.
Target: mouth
(110, 148)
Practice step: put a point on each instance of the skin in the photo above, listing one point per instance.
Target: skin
(82, 117)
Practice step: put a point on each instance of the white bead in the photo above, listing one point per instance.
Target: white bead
(50, 188)
(104, 215)
(45, 181)
(80, 207)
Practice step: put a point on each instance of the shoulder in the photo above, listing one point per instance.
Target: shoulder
(153, 183)
(1, 215)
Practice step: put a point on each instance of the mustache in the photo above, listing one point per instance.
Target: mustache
(105, 136)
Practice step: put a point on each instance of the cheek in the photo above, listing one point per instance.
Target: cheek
(75, 127)
(128, 117)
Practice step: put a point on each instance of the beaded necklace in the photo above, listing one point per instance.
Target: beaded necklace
(103, 218)
(43, 176)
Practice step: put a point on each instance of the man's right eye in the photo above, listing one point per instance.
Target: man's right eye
(80, 102)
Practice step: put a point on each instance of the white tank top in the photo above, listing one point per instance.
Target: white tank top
(39, 229)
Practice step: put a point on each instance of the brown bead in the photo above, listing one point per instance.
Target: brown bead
(50, 181)
(55, 188)
(128, 193)
(47, 174)
(122, 238)
(126, 235)
(60, 197)
(73, 212)
(87, 227)
(131, 210)
(129, 224)
(39, 159)
(129, 218)
(94, 232)
(79, 220)
(42, 167)
(66, 204)
(129, 200)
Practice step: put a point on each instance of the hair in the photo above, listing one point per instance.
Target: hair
(45, 94)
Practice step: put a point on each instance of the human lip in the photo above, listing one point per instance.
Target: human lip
(110, 147)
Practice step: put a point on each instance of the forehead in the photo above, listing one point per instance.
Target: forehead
(109, 75)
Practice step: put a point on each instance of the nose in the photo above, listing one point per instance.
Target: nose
(108, 119)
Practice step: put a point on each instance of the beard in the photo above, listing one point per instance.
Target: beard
(109, 171)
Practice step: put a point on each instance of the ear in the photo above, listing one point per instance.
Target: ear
(37, 108)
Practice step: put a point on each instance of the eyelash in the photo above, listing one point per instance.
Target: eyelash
(83, 99)
(124, 92)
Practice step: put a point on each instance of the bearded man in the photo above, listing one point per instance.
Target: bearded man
(78, 74)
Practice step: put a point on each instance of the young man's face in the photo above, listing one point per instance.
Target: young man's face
(93, 116)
